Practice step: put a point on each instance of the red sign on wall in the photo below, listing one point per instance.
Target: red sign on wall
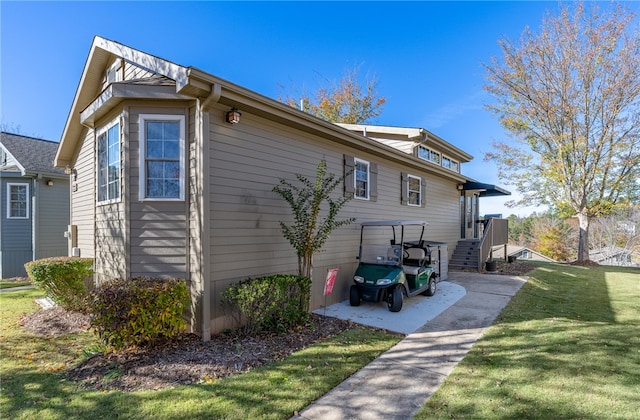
(331, 279)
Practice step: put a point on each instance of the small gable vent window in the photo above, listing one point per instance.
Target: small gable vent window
(162, 160)
(3, 158)
(17, 201)
(113, 73)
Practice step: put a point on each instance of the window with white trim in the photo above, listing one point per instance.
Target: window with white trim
(414, 189)
(108, 166)
(17, 201)
(430, 155)
(450, 164)
(162, 157)
(361, 179)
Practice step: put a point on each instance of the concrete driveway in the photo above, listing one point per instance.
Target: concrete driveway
(416, 311)
(401, 380)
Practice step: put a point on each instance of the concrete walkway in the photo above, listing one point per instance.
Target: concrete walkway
(401, 380)
(13, 289)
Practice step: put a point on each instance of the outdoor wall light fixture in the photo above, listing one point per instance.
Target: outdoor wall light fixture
(460, 187)
(50, 182)
(70, 171)
(232, 116)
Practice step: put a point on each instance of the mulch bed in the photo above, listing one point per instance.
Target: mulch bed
(186, 360)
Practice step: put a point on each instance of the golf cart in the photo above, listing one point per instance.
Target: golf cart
(390, 266)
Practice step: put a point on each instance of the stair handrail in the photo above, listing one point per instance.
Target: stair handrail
(496, 232)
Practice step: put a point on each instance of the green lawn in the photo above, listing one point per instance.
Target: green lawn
(566, 347)
(6, 284)
(33, 386)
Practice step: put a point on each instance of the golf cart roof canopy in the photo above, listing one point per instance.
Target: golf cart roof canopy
(395, 223)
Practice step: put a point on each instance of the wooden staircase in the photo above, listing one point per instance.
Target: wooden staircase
(465, 256)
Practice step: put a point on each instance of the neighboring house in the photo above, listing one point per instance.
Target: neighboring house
(34, 203)
(612, 255)
(175, 169)
(520, 252)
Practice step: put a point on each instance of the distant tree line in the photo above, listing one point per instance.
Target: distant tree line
(554, 236)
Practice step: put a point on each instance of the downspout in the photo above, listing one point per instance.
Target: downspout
(203, 168)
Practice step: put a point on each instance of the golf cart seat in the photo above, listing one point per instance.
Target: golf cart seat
(414, 260)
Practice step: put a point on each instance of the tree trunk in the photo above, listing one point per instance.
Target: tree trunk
(305, 265)
(583, 237)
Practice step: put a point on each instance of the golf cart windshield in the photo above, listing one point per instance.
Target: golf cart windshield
(381, 254)
(382, 242)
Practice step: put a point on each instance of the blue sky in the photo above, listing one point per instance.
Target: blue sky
(426, 56)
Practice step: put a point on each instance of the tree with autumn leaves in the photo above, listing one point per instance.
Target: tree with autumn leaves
(570, 96)
(347, 100)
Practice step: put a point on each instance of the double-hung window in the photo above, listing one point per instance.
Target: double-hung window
(109, 164)
(414, 189)
(162, 157)
(361, 179)
(17, 201)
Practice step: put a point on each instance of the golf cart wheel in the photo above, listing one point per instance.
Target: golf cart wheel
(394, 300)
(354, 296)
(431, 290)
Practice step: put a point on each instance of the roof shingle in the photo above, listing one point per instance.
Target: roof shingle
(35, 155)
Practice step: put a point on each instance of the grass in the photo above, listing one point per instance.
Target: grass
(6, 284)
(567, 346)
(33, 385)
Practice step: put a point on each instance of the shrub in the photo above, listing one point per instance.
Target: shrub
(63, 279)
(138, 311)
(272, 303)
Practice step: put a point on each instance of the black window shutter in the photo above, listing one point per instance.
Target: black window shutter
(373, 188)
(423, 192)
(349, 168)
(404, 188)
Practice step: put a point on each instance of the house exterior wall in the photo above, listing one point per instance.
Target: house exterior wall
(248, 159)
(245, 161)
(83, 196)
(52, 217)
(130, 237)
(158, 232)
(15, 234)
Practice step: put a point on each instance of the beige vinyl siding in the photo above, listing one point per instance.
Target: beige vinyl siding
(83, 198)
(132, 72)
(158, 228)
(110, 226)
(110, 255)
(53, 218)
(247, 161)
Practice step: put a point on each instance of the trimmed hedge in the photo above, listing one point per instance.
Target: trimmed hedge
(63, 279)
(272, 303)
(139, 311)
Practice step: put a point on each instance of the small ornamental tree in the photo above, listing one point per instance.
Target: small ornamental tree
(309, 231)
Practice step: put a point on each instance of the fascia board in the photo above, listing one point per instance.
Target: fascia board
(117, 92)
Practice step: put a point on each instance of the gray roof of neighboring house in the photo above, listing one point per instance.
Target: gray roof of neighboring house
(32, 154)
